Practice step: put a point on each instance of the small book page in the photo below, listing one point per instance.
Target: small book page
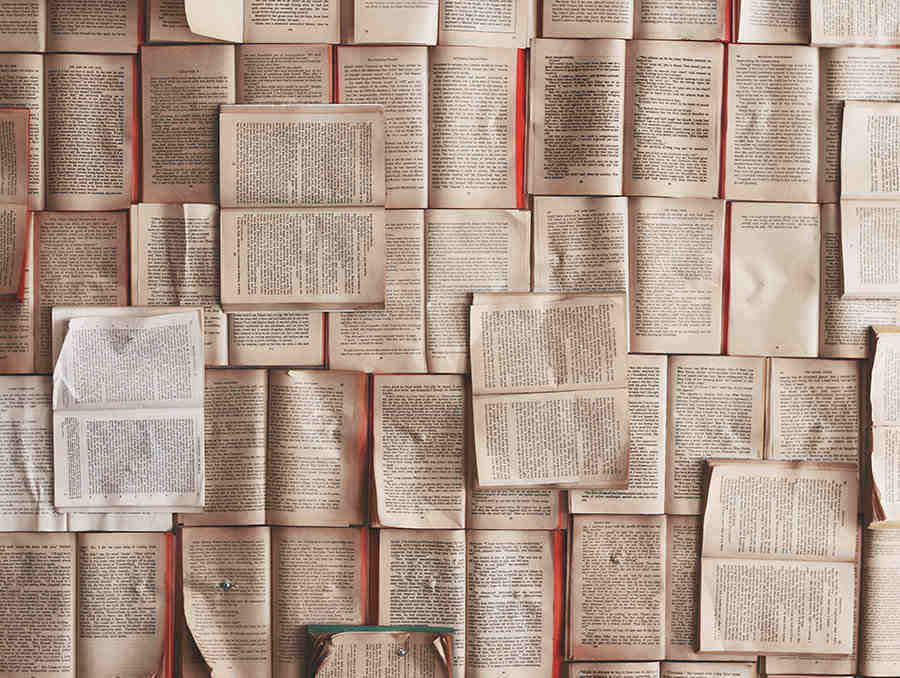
(870, 251)
(681, 19)
(772, 21)
(23, 25)
(23, 87)
(218, 19)
(167, 22)
(390, 21)
(348, 652)
(293, 22)
(869, 164)
(860, 22)
(879, 650)
(276, 338)
(17, 323)
(577, 19)
(613, 669)
(487, 23)
(94, 26)
(496, 508)
(707, 669)
(284, 74)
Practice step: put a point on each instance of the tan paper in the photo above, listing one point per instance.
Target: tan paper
(879, 651)
(283, 74)
(390, 21)
(276, 338)
(93, 25)
(860, 22)
(17, 323)
(681, 19)
(487, 23)
(22, 86)
(575, 19)
(772, 21)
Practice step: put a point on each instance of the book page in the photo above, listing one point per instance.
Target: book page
(716, 409)
(290, 22)
(392, 340)
(704, 669)
(510, 605)
(613, 669)
(182, 88)
(576, 149)
(167, 22)
(396, 78)
(497, 508)
(336, 593)
(175, 261)
(576, 19)
(771, 150)
(879, 650)
(123, 607)
(773, 21)
(625, 617)
(39, 594)
(391, 21)
(80, 258)
(316, 464)
(681, 19)
(93, 26)
(774, 279)
(814, 410)
(869, 166)
(227, 580)
(676, 251)
(422, 580)
(885, 378)
(22, 86)
(673, 149)
(283, 74)
(645, 493)
(301, 155)
(859, 22)
(379, 652)
(474, 119)
(219, 19)
(884, 466)
(276, 338)
(17, 322)
(90, 131)
(14, 140)
(468, 251)
(580, 244)
(487, 23)
(234, 405)
(870, 251)
(26, 470)
(845, 74)
(302, 259)
(120, 521)
(14, 221)
(23, 25)
(419, 450)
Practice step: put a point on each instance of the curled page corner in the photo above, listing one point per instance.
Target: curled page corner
(219, 19)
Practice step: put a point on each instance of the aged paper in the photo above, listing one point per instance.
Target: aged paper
(283, 74)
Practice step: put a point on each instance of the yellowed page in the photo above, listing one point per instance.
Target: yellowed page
(120, 521)
(576, 149)
(879, 651)
(525, 508)
(680, 19)
(381, 654)
(645, 493)
(17, 335)
(772, 21)
(509, 603)
(772, 145)
(397, 78)
(673, 149)
(422, 580)
(234, 449)
(869, 168)
(23, 25)
(301, 155)
(14, 140)
(613, 670)
(122, 620)
(419, 450)
(289, 22)
(576, 19)
(704, 669)
(774, 283)
(302, 259)
(22, 86)
(175, 261)
(39, 596)
(167, 22)
(276, 338)
(716, 409)
(676, 251)
(392, 21)
(90, 125)
(884, 466)
(860, 22)
(283, 74)
(625, 617)
(93, 26)
(80, 258)
(392, 340)
(334, 593)
(316, 462)
(472, 120)
(219, 19)
(487, 23)
(870, 252)
(227, 577)
(468, 251)
(14, 220)
(182, 88)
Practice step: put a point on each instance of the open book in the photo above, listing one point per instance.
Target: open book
(65, 26)
(14, 214)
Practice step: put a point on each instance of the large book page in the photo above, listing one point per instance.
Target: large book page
(23, 25)
(681, 19)
(576, 19)
(283, 74)
(93, 26)
(879, 649)
(860, 22)
(487, 23)
(772, 21)
(276, 338)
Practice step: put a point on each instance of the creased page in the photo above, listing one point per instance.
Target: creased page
(580, 244)
(23, 25)
(391, 21)
(422, 580)
(487, 23)
(613, 669)
(276, 338)
(123, 609)
(575, 148)
(860, 22)
(884, 457)
(17, 322)
(577, 19)
(814, 410)
(774, 283)
(681, 19)
(181, 89)
(419, 450)
(731, 669)
(468, 251)
(302, 259)
(14, 221)
(80, 258)
(227, 580)
(219, 19)
(90, 146)
(22, 86)
(316, 463)
(676, 251)
(336, 593)
(283, 74)
(510, 604)
(38, 598)
(474, 105)
(870, 248)
(673, 149)
(870, 167)
(645, 493)
(128, 394)
(379, 652)
(26, 467)
(396, 78)
(716, 409)
(879, 651)
(772, 21)
(617, 588)
(289, 22)
(167, 22)
(93, 26)
(392, 340)
(175, 261)
(771, 150)
(301, 155)
(234, 445)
